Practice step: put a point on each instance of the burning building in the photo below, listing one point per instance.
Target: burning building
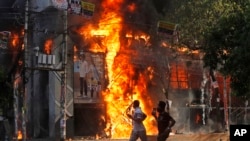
(127, 58)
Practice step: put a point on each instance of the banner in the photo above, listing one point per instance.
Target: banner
(166, 27)
(75, 6)
(87, 8)
(4, 38)
(60, 4)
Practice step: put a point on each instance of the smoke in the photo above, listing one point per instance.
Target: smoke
(160, 6)
(143, 17)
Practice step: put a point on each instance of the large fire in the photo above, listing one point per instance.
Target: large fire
(125, 83)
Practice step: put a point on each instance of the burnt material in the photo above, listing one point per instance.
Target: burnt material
(88, 120)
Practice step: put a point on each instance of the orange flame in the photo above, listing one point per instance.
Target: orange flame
(75, 50)
(197, 118)
(131, 7)
(48, 46)
(19, 135)
(179, 77)
(122, 87)
(15, 40)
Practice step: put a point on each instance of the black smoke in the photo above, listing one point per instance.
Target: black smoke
(160, 6)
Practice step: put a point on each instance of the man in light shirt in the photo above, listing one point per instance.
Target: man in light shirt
(138, 130)
(83, 70)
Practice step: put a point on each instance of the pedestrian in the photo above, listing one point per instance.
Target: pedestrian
(137, 116)
(164, 121)
(92, 86)
(98, 89)
(83, 70)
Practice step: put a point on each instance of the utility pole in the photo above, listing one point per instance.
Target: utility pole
(15, 104)
(64, 81)
(225, 102)
(24, 71)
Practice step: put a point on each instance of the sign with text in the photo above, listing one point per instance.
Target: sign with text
(166, 27)
(87, 8)
(239, 132)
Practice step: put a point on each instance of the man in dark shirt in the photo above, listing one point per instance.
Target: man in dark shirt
(164, 121)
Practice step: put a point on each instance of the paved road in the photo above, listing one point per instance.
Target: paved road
(177, 137)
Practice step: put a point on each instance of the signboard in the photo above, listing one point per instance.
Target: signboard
(166, 27)
(78, 7)
(87, 8)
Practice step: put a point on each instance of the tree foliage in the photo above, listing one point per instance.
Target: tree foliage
(220, 29)
(227, 47)
(195, 17)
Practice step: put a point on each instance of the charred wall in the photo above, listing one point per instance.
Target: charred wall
(89, 120)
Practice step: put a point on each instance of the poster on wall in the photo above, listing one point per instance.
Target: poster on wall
(88, 77)
(4, 38)
(75, 6)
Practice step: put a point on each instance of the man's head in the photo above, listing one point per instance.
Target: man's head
(161, 106)
(136, 103)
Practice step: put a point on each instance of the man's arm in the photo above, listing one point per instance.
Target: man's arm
(154, 113)
(137, 118)
(170, 124)
(130, 116)
(128, 111)
(144, 116)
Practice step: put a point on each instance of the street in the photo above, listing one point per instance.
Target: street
(181, 137)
